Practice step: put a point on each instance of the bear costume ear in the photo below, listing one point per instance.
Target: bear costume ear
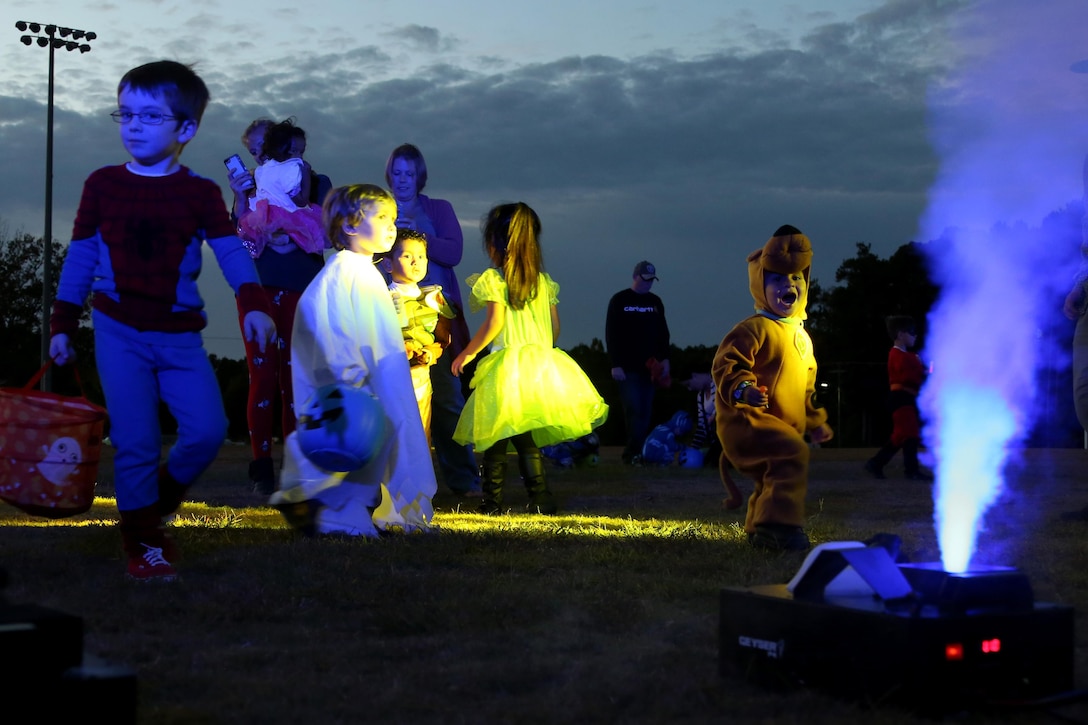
(788, 251)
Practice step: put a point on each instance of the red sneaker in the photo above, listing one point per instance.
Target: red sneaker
(150, 565)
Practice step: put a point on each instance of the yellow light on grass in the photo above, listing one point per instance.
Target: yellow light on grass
(200, 515)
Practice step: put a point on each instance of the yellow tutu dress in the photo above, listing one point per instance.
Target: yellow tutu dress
(525, 383)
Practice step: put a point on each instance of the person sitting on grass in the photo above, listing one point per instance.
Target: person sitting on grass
(666, 440)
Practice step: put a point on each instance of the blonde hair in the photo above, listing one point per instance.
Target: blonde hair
(512, 242)
(262, 123)
(348, 205)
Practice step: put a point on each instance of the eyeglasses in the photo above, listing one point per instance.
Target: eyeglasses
(151, 118)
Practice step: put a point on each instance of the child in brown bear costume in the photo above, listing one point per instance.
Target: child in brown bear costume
(765, 373)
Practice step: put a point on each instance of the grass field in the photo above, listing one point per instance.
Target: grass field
(607, 612)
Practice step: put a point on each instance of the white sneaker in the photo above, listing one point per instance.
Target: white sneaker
(351, 519)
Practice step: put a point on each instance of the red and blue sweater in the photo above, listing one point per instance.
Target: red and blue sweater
(136, 246)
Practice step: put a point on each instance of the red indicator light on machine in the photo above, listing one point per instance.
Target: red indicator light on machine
(953, 652)
(991, 646)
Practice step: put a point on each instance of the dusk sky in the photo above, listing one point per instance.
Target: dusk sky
(682, 132)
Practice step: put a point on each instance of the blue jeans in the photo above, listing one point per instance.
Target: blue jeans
(637, 399)
(457, 462)
(135, 376)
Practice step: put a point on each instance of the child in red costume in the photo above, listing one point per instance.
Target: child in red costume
(765, 373)
(906, 372)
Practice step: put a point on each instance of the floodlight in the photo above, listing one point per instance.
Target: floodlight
(55, 38)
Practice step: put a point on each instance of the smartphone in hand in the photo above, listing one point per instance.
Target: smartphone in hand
(235, 165)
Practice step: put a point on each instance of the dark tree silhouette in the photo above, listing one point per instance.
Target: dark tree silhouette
(21, 304)
(851, 340)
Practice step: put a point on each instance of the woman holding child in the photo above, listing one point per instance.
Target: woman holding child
(406, 174)
(285, 266)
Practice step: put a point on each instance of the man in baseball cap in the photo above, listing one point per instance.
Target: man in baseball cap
(637, 338)
(646, 271)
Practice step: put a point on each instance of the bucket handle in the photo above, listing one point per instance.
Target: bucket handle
(33, 382)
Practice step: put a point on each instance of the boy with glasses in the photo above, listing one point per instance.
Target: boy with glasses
(136, 249)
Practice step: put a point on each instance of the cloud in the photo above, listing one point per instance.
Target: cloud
(421, 38)
(690, 162)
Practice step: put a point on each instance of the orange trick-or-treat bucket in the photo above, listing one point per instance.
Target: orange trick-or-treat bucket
(49, 450)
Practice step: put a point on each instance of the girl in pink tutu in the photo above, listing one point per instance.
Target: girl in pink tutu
(281, 208)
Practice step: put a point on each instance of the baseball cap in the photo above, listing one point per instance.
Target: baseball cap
(645, 270)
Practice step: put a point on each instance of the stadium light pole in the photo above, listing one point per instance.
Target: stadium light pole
(45, 35)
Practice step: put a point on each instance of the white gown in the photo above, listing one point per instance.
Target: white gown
(346, 331)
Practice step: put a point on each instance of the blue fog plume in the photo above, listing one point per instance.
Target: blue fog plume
(1009, 124)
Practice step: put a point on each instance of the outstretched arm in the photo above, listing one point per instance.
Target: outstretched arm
(241, 275)
(494, 319)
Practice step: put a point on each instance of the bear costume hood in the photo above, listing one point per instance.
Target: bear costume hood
(788, 251)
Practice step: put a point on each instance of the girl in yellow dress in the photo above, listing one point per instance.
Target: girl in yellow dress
(526, 391)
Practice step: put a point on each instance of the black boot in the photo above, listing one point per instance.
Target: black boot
(531, 466)
(875, 465)
(492, 473)
(910, 462)
(262, 474)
